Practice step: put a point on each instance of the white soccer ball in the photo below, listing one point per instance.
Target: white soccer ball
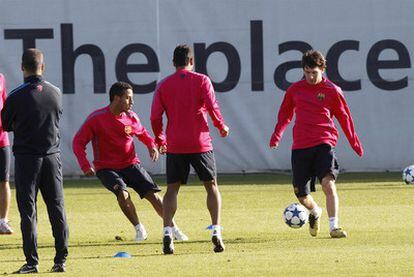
(295, 215)
(408, 174)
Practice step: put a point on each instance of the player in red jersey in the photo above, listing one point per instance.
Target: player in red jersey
(316, 101)
(5, 194)
(112, 130)
(186, 97)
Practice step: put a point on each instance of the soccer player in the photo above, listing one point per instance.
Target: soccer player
(32, 112)
(111, 130)
(315, 100)
(186, 97)
(5, 193)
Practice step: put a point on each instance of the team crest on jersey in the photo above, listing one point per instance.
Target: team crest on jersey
(128, 130)
(321, 96)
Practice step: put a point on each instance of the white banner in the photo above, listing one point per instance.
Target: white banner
(250, 49)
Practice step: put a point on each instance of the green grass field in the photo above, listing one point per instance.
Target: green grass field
(376, 209)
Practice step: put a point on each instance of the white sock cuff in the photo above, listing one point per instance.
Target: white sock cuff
(316, 211)
(216, 230)
(333, 223)
(167, 231)
(139, 226)
(3, 220)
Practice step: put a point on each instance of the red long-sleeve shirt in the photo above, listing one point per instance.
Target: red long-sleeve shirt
(185, 97)
(4, 137)
(112, 139)
(315, 106)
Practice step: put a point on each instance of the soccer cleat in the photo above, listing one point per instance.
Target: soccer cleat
(314, 224)
(5, 229)
(218, 244)
(141, 234)
(179, 235)
(338, 233)
(168, 245)
(26, 269)
(58, 268)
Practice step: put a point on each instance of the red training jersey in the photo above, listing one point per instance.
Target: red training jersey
(315, 106)
(186, 97)
(4, 137)
(112, 139)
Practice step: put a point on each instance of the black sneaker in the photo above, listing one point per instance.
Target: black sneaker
(168, 245)
(58, 268)
(26, 269)
(218, 244)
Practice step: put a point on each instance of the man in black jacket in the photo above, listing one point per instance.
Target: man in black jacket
(32, 112)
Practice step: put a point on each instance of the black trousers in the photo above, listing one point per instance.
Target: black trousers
(44, 173)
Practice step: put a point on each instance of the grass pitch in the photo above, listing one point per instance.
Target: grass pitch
(377, 211)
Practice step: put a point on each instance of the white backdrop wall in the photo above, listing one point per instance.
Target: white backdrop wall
(248, 48)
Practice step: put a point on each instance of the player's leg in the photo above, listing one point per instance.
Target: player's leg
(113, 181)
(27, 169)
(51, 188)
(138, 178)
(5, 194)
(156, 201)
(332, 207)
(178, 168)
(302, 168)
(328, 169)
(205, 166)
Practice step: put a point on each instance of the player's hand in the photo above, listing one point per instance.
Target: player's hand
(154, 154)
(90, 172)
(274, 146)
(225, 131)
(163, 149)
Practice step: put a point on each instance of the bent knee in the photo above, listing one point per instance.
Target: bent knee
(122, 194)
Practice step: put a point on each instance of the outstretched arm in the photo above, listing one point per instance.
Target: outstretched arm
(157, 110)
(7, 114)
(285, 115)
(144, 136)
(80, 140)
(213, 108)
(342, 113)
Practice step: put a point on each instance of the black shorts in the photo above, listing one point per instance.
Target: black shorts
(317, 161)
(4, 164)
(178, 166)
(134, 176)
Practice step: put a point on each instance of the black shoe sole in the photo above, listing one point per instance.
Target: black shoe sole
(167, 245)
(218, 244)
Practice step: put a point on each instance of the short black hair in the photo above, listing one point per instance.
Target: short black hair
(312, 59)
(118, 88)
(182, 55)
(32, 59)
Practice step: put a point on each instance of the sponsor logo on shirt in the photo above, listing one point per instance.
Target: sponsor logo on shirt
(128, 130)
(321, 96)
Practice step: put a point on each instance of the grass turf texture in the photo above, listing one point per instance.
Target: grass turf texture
(377, 210)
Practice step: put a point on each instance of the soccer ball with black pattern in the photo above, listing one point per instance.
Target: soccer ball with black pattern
(408, 175)
(295, 215)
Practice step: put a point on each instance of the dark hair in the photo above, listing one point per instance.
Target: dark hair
(182, 55)
(32, 59)
(312, 59)
(118, 88)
